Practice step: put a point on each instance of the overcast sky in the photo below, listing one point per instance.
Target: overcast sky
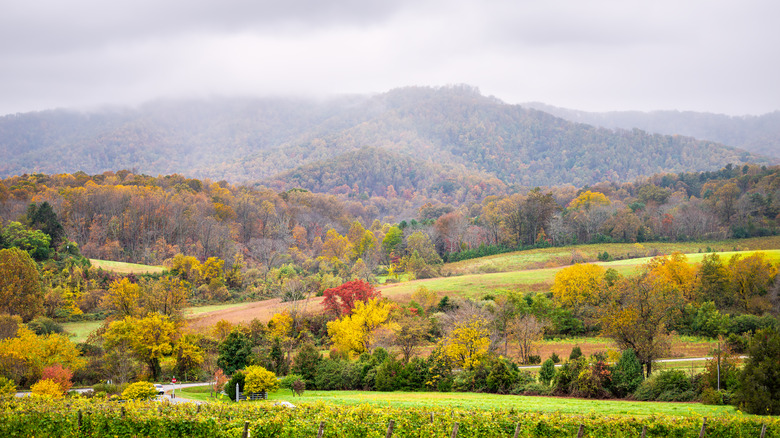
(704, 55)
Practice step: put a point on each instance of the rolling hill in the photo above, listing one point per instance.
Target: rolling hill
(416, 137)
(756, 134)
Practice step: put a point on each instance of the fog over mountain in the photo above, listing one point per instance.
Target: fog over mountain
(443, 132)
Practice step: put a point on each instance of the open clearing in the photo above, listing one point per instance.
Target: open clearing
(467, 400)
(125, 268)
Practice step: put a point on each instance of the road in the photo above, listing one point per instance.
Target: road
(168, 388)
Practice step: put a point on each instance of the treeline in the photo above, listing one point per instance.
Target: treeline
(298, 243)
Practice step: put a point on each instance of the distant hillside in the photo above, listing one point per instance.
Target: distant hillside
(452, 136)
(757, 134)
(379, 172)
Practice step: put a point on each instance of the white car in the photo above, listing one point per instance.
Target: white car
(160, 389)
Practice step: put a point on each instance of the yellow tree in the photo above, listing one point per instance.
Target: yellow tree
(355, 332)
(149, 338)
(751, 278)
(123, 297)
(337, 247)
(587, 200)
(579, 287)
(20, 286)
(25, 355)
(637, 313)
(468, 342)
(166, 296)
(676, 272)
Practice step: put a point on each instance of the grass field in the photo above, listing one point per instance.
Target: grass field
(526, 280)
(560, 256)
(446, 400)
(125, 268)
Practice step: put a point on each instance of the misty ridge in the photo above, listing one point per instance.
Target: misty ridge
(413, 137)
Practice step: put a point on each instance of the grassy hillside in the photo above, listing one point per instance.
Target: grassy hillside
(125, 268)
(521, 271)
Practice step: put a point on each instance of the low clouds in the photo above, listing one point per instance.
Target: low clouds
(716, 56)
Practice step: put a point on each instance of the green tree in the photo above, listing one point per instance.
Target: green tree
(759, 383)
(42, 217)
(20, 286)
(306, 362)
(36, 242)
(626, 374)
(393, 241)
(234, 352)
(547, 372)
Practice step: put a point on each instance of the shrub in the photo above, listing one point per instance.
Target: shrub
(388, 375)
(7, 388)
(555, 358)
(533, 388)
(502, 376)
(671, 385)
(259, 379)
(238, 378)
(47, 388)
(306, 362)
(139, 391)
(298, 387)
(575, 352)
(42, 325)
(287, 381)
(534, 359)
(626, 374)
(62, 376)
(547, 372)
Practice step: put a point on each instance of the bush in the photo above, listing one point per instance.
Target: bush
(259, 379)
(671, 385)
(626, 374)
(238, 378)
(710, 396)
(532, 388)
(109, 389)
(534, 359)
(42, 325)
(306, 362)
(575, 352)
(555, 358)
(7, 388)
(547, 372)
(47, 388)
(59, 374)
(139, 391)
(287, 381)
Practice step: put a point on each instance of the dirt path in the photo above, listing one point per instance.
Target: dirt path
(261, 310)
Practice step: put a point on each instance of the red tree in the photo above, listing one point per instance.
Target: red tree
(59, 375)
(341, 300)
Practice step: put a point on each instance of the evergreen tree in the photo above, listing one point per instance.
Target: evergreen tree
(759, 391)
(626, 374)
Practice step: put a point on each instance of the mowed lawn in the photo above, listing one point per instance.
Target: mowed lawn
(441, 401)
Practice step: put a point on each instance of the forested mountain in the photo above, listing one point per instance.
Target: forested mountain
(757, 134)
(470, 138)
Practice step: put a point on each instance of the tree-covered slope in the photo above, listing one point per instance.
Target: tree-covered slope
(243, 140)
